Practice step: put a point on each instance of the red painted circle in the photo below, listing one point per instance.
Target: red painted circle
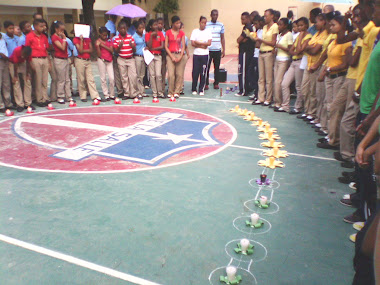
(47, 141)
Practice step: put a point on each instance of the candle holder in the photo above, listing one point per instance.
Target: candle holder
(249, 250)
(263, 180)
(262, 202)
(231, 277)
(258, 225)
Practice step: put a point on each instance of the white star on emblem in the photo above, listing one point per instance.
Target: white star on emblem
(176, 139)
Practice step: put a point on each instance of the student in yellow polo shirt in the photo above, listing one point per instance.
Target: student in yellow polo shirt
(266, 59)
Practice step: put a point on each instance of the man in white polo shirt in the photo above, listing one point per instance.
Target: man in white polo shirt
(217, 48)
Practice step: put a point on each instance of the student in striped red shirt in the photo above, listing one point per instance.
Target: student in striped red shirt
(125, 46)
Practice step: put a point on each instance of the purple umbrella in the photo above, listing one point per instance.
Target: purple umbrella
(127, 10)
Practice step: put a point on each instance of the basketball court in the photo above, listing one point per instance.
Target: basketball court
(159, 194)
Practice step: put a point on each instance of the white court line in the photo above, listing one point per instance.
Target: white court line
(209, 99)
(76, 261)
(290, 153)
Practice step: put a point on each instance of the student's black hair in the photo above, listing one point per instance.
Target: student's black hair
(55, 25)
(35, 14)
(214, 10)
(295, 22)
(27, 50)
(138, 23)
(256, 18)
(6, 24)
(303, 19)
(322, 17)
(271, 11)
(38, 21)
(22, 24)
(262, 19)
(104, 30)
(316, 11)
(277, 14)
(175, 19)
(47, 27)
(122, 22)
(290, 14)
(160, 19)
(332, 15)
(287, 23)
(246, 14)
(341, 20)
(150, 25)
(202, 18)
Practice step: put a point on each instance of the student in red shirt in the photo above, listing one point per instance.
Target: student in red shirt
(125, 46)
(38, 41)
(23, 98)
(174, 45)
(61, 61)
(155, 40)
(105, 63)
(84, 69)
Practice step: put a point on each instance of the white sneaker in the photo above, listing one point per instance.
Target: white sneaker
(194, 93)
(318, 125)
(358, 225)
(176, 96)
(352, 185)
(303, 115)
(266, 103)
(201, 94)
(309, 117)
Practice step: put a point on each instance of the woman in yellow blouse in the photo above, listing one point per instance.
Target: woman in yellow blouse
(335, 70)
(309, 80)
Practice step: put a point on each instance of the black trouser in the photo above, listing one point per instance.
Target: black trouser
(215, 56)
(255, 75)
(245, 72)
(200, 63)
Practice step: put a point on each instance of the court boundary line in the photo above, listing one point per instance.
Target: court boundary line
(290, 153)
(217, 100)
(76, 261)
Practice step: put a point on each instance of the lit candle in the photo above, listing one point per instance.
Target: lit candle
(254, 218)
(231, 273)
(263, 200)
(244, 244)
(275, 151)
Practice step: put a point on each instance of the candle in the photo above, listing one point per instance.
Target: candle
(244, 244)
(263, 178)
(231, 273)
(275, 151)
(263, 200)
(254, 218)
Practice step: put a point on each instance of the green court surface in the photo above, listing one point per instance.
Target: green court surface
(178, 225)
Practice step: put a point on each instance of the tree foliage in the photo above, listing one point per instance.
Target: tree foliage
(166, 6)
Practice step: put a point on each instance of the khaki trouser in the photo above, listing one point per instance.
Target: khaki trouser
(84, 73)
(127, 69)
(333, 86)
(41, 74)
(309, 91)
(266, 62)
(175, 74)
(62, 67)
(22, 97)
(280, 67)
(347, 130)
(321, 93)
(5, 85)
(140, 71)
(54, 81)
(155, 68)
(116, 73)
(104, 69)
(293, 73)
(338, 107)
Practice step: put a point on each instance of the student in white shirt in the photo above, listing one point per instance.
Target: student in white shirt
(200, 39)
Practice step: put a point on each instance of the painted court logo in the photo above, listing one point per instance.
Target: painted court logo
(111, 139)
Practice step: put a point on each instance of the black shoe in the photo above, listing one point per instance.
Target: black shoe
(61, 101)
(41, 104)
(345, 180)
(279, 110)
(75, 94)
(338, 156)
(326, 145)
(322, 133)
(345, 173)
(2, 110)
(124, 97)
(257, 103)
(346, 202)
(322, 140)
(272, 107)
(303, 116)
(84, 100)
(19, 109)
(352, 219)
(47, 102)
(294, 112)
(347, 164)
(31, 106)
(315, 127)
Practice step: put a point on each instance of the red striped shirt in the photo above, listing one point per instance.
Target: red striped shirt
(126, 50)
